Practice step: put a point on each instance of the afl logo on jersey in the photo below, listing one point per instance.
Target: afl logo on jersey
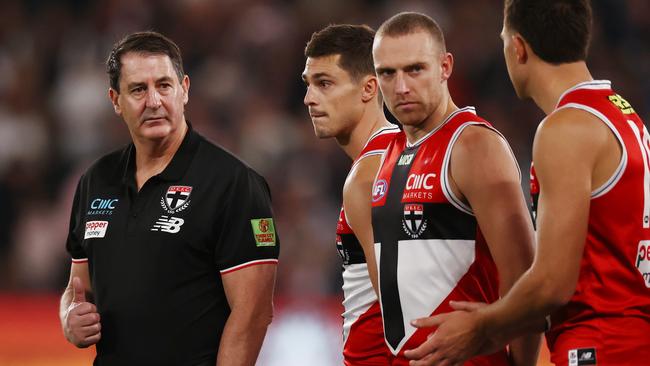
(379, 190)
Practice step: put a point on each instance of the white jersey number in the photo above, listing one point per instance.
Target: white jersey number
(643, 139)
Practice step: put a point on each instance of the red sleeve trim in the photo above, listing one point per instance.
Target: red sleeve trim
(248, 264)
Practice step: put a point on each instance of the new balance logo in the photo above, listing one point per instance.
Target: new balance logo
(582, 357)
(168, 224)
(405, 159)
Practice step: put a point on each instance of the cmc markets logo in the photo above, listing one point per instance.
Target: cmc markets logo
(176, 199)
(102, 206)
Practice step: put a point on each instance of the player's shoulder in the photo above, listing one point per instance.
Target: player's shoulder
(215, 158)
(111, 166)
(478, 138)
(572, 125)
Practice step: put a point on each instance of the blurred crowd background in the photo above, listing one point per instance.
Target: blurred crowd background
(244, 59)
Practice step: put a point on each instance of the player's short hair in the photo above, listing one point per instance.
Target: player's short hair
(145, 43)
(558, 31)
(352, 42)
(406, 23)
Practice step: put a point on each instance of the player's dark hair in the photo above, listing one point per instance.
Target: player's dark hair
(146, 43)
(352, 42)
(407, 23)
(558, 31)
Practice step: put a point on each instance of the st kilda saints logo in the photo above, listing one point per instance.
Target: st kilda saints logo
(176, 199)
(413, 221)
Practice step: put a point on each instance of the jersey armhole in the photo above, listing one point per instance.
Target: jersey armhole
(618, 173)
(444, 174)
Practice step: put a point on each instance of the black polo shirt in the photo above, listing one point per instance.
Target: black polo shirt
(155, 256)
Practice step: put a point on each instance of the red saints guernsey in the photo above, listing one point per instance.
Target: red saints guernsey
(607, 321)
(363, 334)
(429, 247)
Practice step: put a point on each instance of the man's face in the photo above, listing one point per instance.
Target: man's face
(151, 99)
(512, 64)
(410, 74)
(333, 98)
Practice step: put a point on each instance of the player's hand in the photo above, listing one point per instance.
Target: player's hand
(81, 324)
(459, 337)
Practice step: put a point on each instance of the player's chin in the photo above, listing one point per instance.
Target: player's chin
(156, 131)
(322, 132)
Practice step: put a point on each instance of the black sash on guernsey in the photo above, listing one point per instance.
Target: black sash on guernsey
(443, 221)
(390, 302)
(350, 250)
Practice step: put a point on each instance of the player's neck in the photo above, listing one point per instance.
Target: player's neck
(152, 157)
(551, 81)
(415, 132)
(371, 121)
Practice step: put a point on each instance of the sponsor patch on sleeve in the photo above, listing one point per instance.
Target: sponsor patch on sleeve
(95, 229)
(264, 232)
(582, 357)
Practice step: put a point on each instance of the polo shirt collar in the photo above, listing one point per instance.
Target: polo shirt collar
(176, 168)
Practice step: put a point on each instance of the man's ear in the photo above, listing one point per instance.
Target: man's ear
(447, 65)
(370, 88)
(185, 84)
(522, 48)
(114, 96)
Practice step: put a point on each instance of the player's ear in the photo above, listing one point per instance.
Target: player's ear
(522, 48)
(185, 84)
(446, 65)
(114, 96)
(370, 88)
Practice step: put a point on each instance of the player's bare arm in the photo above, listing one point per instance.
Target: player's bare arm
(250, 295)
(484, 174)
(356, 200)
(79, 317)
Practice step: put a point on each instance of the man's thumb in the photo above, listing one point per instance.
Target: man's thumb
(79, 294)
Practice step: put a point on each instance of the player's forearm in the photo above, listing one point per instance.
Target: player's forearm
(524, 350)
(523, 310)
(242, 338)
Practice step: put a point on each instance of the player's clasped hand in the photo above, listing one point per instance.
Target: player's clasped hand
(458, 337)
(81, 324)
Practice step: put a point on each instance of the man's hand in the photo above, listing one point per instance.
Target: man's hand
(81, 324)
(458, 338)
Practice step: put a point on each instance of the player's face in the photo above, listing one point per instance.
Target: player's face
(510, 55)
(151, 99)
(412, 75)
(333, 98)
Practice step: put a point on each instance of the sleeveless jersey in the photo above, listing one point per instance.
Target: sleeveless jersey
(363, 335)
(609, 314)
(429, 247)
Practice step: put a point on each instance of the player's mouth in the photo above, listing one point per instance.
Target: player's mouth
(317, 114)
(405, 104)
(154, 119)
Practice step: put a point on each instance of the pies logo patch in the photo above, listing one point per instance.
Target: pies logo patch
(176, 199)
(264, 232)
